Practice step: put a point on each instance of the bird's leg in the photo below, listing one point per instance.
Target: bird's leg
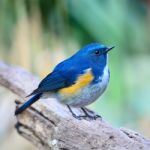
(90, 113)
(73, 114)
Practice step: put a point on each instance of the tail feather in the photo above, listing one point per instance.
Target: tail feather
(28, 103)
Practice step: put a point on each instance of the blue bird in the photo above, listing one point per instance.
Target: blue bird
(77, 81)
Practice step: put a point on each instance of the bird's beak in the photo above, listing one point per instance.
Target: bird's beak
(109, 48)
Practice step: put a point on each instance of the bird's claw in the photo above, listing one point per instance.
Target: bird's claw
(88, 114)
(77, 117)
(91, 114)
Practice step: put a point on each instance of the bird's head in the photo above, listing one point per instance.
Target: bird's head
(95, 53)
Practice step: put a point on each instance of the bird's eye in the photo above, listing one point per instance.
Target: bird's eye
(97, 52)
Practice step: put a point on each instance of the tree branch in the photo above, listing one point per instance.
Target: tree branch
(50, 126)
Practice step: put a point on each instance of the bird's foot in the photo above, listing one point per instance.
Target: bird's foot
(90, 114)
(73, 114)
(78, 117)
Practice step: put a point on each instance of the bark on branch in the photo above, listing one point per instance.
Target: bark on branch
(49, 125)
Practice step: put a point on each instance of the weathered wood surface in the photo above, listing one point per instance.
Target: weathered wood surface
(50, 126)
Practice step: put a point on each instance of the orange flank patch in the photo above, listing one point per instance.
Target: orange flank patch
(81, 82)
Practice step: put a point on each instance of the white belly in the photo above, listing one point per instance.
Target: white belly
(88, 94)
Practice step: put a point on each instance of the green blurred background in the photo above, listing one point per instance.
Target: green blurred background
(37, 34)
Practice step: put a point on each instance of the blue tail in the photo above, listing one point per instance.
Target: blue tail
(28, 103)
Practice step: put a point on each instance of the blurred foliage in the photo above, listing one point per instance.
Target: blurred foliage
(38, 34)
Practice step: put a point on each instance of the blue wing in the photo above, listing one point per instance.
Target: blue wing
(64, 75)
(52, 82)
(61, 77)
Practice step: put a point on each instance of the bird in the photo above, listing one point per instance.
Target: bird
(77, 81)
